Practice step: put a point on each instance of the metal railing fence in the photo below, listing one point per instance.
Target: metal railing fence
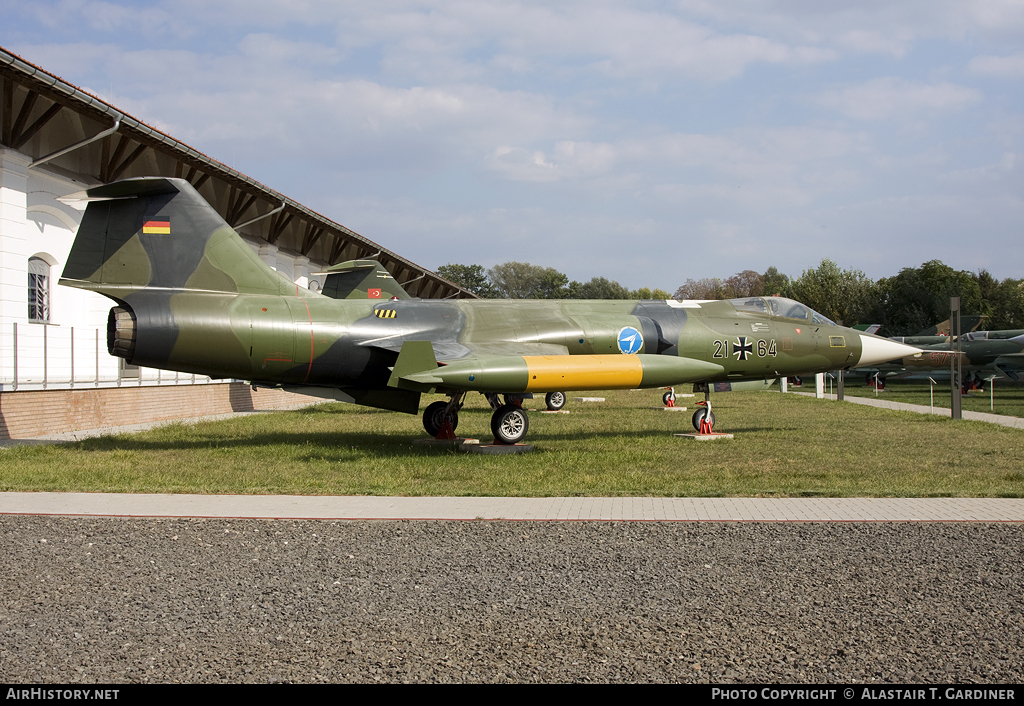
(43, 356)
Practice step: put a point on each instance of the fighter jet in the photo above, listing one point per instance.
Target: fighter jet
(191, 296)
(1000, 352)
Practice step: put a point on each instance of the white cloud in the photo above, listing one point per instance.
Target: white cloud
(1004, 66)
(465, 40)
(1002, 16)
(568, 159)
(897, 98)
(868, 25)
(874, 41)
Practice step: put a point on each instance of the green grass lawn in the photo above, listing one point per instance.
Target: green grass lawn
(785, 445)
(1007, 397)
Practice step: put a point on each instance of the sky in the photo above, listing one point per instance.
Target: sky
(645, 142)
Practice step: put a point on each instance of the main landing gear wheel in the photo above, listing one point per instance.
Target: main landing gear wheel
(434, 418)
(555, 400)
(509, 424)
(699, 416)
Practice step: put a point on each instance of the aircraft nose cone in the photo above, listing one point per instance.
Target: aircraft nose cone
(876, 350)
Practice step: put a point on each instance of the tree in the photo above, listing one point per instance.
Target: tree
(602, 288)
(515, 280)
(521, 280)
(645, 293)
(844, 296)
(471, 277)
(1007, 302)
(918, 297)
(707, 288)
(774, 283)
(551, 284)
(744, 284)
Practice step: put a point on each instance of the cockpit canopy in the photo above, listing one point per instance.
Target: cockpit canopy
(782, 308)
(1011, 334)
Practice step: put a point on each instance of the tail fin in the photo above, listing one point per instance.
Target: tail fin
(361, 279)
(156, 232)
(945, 328)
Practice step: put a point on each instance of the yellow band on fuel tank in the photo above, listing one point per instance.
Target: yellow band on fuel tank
(583, 372)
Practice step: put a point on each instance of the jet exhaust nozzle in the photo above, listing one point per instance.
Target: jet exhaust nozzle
(121, 331)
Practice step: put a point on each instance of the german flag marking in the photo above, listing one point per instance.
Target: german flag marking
(162, 227)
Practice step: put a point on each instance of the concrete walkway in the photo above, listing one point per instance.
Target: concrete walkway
(1001, 419)
(434, 508)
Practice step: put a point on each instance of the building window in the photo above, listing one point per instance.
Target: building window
(38, 290)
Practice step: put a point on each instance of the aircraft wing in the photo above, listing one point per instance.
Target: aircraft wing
(1010, 364)
(448, 351)
(518, 348)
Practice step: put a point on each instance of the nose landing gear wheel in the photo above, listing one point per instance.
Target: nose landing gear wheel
(509, 424)
(555, 400)
(434, 418)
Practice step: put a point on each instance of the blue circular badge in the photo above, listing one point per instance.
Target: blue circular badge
(630, 340)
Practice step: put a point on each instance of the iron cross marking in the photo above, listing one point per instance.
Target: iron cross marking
(741, 349)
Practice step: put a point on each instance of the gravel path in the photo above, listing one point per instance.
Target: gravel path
(130, 600)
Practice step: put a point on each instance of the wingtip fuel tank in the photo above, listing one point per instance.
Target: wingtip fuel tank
(579, 372)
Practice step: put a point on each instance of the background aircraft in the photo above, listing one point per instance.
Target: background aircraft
(192, 296)
(999, 352)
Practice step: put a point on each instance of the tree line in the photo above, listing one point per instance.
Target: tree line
(521, 280)
(904, 304)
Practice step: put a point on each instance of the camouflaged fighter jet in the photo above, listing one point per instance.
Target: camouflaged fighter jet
(999, 352)
(193, 297)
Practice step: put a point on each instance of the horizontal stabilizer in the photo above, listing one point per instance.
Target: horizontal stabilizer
(124, 189)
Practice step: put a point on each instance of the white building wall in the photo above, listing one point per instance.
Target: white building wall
(33, 223)
(13, 229)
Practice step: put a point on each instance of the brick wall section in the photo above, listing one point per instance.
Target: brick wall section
(33, 413)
